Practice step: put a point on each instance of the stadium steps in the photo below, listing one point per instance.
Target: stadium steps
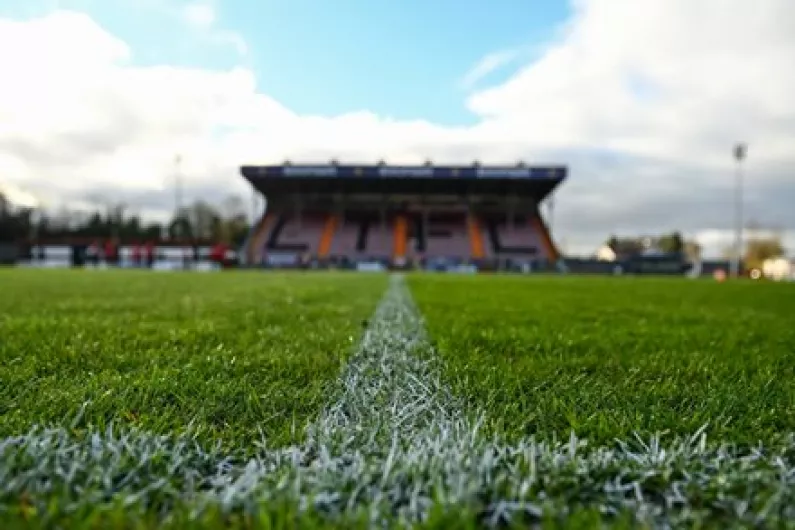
(243, 252)
(276, 234)
(328, 235)
(502, 249)
(401, 234)
(255, 244)
(546, 240)
(475, 238)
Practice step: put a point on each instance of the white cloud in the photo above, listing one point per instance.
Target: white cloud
(203, 16)
(17, 196)
(643, 100)
(488, 64)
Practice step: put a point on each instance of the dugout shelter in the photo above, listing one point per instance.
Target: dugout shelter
(434, 217)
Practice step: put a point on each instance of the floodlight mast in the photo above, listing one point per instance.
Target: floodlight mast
(740, 152)
(177, 192)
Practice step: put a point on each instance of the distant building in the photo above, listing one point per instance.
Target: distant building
(605, 253)
(778, 269)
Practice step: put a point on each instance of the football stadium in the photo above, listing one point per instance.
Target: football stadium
(403, 216)
(374, 392)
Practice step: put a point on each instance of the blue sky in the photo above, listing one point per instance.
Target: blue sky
(402, 59)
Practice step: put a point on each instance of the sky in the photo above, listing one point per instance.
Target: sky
(642, 99)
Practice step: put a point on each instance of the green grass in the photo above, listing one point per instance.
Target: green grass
(228, 357)
(231, 354)
(606, 357)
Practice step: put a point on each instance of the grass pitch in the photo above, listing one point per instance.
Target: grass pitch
(234, 356)
(114, 359)
(610, 357)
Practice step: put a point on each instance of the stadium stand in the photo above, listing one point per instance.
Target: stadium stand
(402, 216)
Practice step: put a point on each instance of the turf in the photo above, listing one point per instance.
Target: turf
(114, 359)
(607, 357)
(235, 357)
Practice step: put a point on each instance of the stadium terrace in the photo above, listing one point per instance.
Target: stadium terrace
(387, 216)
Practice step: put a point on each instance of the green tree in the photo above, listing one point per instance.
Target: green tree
(15, 222)
(198, 221)
(626, 246)
(234, 221)
(759, 249)
(671, 243)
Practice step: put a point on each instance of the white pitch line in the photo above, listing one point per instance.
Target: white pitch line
(391, 388)
(395, 442)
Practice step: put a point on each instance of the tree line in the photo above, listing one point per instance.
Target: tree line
(672, 243)
(199, 221)
(757, 248)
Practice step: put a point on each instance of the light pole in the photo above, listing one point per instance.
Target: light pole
(178, 183)
(177, 194)
(740, 153)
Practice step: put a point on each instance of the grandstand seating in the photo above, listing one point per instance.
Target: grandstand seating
(446, 236)
(379, 241)
(521, 237)
(299, 234)
(359, 235)
(435, 216)
(457, 236)
(346, 239)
